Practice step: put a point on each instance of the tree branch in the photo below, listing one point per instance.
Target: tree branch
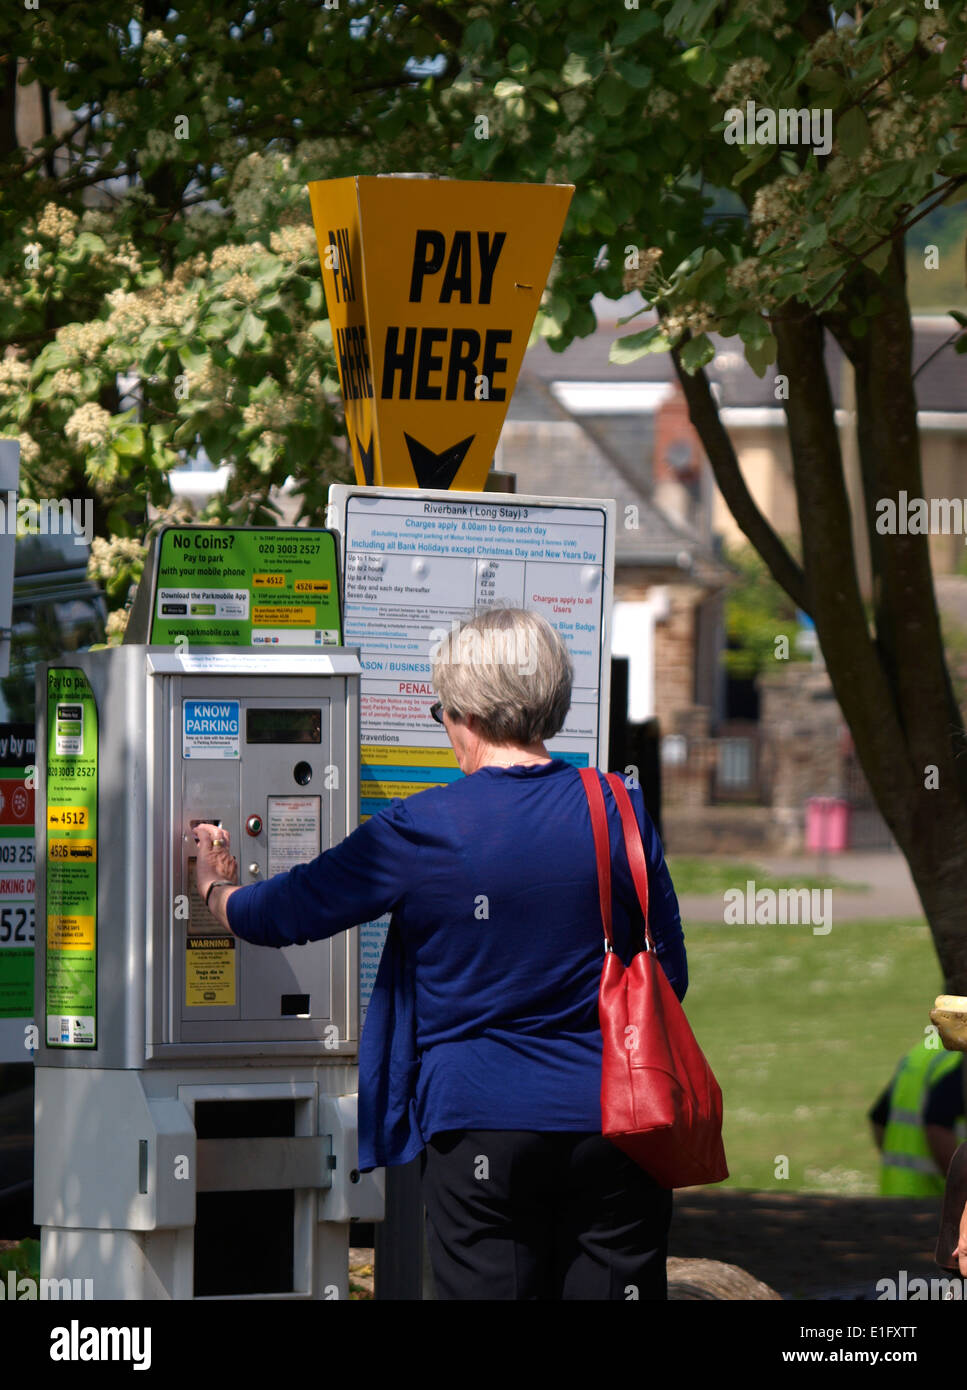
(704, 415)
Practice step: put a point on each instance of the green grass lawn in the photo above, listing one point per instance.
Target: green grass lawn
(694, 875)
(803, 1032)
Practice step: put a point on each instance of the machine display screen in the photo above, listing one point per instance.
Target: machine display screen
(283, 725)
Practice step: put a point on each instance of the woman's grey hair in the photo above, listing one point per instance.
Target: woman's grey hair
(509, 669)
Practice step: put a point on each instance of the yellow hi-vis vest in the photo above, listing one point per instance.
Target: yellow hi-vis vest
(907, 1166)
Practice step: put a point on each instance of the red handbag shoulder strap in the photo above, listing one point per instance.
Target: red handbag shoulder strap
(602, 845)
(633, 847)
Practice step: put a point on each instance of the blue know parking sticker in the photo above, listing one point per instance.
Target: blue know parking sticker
(210, 729)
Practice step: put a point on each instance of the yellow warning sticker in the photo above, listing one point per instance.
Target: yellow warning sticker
(70, 933)
(390, 790)
(380, 755)
(269, 616)
(210, 972)
(67, 817)
(84, 851)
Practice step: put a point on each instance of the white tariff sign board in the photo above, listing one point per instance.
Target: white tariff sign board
(416, 563)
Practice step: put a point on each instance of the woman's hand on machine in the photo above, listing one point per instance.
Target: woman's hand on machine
(215, 863)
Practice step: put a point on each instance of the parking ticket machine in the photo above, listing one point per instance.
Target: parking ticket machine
(195, 1095)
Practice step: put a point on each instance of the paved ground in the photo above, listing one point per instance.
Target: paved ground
(889, 888)
(809, 1245)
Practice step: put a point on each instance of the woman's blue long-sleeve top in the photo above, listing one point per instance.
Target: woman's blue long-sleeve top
(484, 1012)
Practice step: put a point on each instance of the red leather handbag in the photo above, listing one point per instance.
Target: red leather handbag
(660, 1102)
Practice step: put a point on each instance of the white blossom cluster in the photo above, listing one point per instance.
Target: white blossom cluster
(84, 340)
(117, 622)
(933, 25)
(659, 102)
(160, 145)
(236, 257)
(766, 15)
(741, 79)
(14, 376)
(89, 426)
(776, 207)
(636, 278)
(29, 448)
(213, 384)
(293, 243)
(58, 223)
(751, 280)
(126, 257)
(692, 315)
(904, 130)
(132, 311)
(121, 106)
(273, 415)
(67, 382)
(241, 287)
(109, 556)
(257, 187)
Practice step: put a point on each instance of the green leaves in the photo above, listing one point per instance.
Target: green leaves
(635, 74)
(853, 132)
(479, 34)
(697, 352)
(636, 345)
(612, 95)
(762, 354)
(634, 25)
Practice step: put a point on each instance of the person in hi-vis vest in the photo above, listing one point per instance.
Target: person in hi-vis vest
(918, 1122)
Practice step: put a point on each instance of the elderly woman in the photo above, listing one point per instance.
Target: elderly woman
(482, 1047)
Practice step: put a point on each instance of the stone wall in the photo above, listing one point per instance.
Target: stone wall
(675, 641)
(802, 732)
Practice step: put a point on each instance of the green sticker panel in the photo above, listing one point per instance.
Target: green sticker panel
(233, 586)
(70, 915)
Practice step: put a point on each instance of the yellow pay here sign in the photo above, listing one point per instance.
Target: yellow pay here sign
(432, 287)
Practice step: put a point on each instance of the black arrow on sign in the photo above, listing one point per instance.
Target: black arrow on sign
(366, 458)
(436, 470)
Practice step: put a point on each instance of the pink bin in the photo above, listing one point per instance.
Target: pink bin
(827, 824)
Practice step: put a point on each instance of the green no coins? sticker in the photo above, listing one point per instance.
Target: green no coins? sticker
(70, 916)
(234, 586)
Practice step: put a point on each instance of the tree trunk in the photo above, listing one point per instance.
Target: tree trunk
(8, 107)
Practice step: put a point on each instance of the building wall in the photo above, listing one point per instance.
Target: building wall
(766, 466)
(944, 457)
(674, 606)
(675, 648)
(802, 738)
